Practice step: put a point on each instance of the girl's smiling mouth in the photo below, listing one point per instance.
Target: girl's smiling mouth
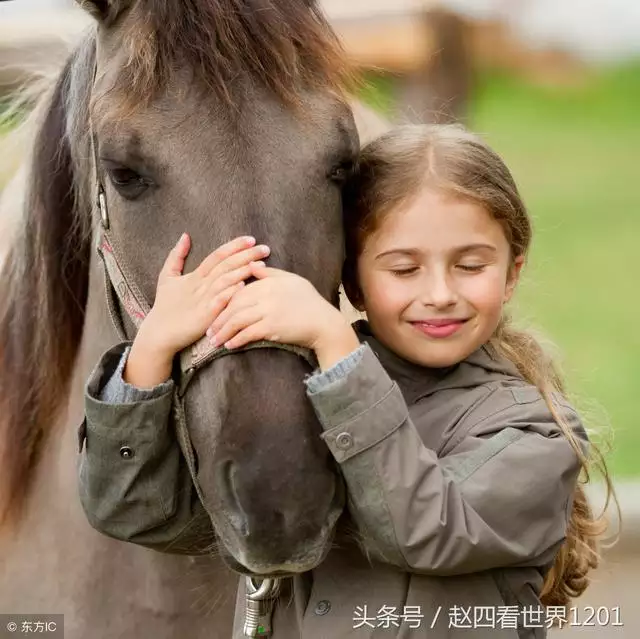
(439, 329)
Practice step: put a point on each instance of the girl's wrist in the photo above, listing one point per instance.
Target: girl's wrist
(337, 341)
(148, 364)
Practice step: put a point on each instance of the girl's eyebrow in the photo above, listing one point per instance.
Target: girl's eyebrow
(476, 247)
(412, 252)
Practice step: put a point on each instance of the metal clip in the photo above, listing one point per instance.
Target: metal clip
(260, 601)
(102, 205)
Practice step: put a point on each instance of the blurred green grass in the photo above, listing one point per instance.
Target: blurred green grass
(575, 153)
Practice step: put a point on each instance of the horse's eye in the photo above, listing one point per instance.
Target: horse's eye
(127, 182)
(123, 177)
(342, 172)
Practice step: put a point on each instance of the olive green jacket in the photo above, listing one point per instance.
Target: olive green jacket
(459, 481)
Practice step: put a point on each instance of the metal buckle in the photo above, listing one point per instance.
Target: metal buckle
(260, 601)
(102, 205)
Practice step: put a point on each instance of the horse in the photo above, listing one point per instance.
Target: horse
(216, 117)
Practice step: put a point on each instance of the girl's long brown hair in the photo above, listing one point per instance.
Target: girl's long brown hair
(393, 170)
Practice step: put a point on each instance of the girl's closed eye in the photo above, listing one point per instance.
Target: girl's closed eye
(404, 271)
(471, 268)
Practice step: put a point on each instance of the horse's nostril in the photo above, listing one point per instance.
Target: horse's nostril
(247, 512)
(229, 492)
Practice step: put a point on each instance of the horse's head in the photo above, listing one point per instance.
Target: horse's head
(221, 118)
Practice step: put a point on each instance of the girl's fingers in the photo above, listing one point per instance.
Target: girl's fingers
(221, 300)
(236, 323)
(174, 264)
(229, 279)
(260, 271)
(253, 333)
(237, 305)
(224, 252)
(239, 259)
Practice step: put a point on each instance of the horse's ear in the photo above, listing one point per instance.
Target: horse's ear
(105, 11)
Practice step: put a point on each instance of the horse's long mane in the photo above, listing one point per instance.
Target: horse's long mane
(284, 44)
(43, 293)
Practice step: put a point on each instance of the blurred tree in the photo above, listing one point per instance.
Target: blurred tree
(438, 90)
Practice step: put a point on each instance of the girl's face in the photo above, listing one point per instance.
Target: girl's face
(434, 279)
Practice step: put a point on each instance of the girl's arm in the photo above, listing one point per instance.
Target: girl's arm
(504, 500)
(134, 482)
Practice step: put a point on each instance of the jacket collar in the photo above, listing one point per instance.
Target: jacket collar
(480, 367)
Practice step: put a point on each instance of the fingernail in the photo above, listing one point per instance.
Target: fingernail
(259, 263)
(208, 332)
(265, 250)
(249, 239)
(213, 340)
(183, 237)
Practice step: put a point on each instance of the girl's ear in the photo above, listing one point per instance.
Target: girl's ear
(355, 299)
(350, 285)
(513, 277)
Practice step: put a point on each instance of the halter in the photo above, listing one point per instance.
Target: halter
(120, 287)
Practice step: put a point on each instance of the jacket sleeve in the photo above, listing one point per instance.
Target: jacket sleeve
(134, 483)
(501, 498)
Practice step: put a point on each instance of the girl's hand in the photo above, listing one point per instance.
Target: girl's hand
(185, 305)
(286, 308)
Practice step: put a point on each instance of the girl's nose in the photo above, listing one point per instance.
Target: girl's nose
(439, 292)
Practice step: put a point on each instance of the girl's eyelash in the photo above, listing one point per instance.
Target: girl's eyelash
(404, 271)
(471, 268)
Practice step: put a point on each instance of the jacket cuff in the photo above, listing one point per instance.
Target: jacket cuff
(111, 415)
(321, 379)
(106, 378)
(360, 409)
(117, 391)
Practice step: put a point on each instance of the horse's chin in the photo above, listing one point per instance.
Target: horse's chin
(279, 552)
(259, 569)
(237, 567)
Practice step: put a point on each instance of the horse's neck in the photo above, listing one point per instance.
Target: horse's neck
(58, 563)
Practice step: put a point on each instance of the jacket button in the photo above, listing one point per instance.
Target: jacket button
(126, 452)
(323, 607)
(344, 441)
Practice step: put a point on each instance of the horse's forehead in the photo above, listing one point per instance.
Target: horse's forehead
(185, 105)
(186, 120)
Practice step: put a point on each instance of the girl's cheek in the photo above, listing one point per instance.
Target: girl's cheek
(486, 291)
(383, 294)
(398, 295)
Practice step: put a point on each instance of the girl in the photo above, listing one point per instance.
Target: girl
(460, 453)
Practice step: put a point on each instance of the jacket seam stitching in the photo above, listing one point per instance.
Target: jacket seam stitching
(516, 436)
(156, 488)
(344, 424)
(464, 431)
(467, 431)
(387, 508)
(382, 436)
